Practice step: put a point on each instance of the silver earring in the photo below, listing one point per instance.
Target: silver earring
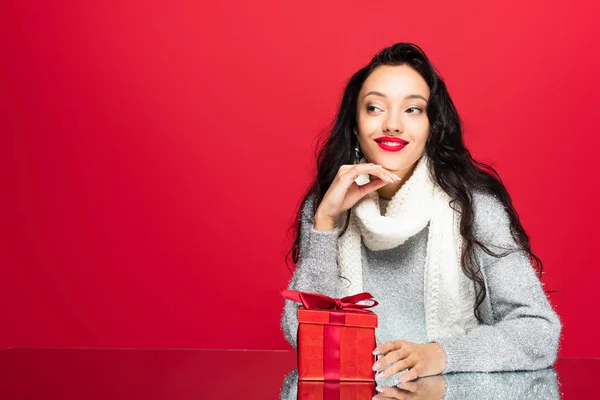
(357, 153)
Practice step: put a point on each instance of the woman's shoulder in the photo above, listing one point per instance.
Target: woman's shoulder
(490, 216)
(486, 203)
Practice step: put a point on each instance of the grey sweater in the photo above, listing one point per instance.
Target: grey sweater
(520, 331)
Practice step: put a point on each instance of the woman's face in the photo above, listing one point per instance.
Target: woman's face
(392, 105)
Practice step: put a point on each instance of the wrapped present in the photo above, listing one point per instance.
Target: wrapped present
(341, 390)
(336, 337)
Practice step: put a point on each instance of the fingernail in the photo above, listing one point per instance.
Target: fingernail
(377, 351)
(381, 374)
(380, 389)
(397, 177)
(377, 366)
(400, 385)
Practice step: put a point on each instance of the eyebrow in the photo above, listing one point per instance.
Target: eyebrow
(410, 96)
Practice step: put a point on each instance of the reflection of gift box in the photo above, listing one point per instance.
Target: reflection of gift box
(313, 390)
(336, 337)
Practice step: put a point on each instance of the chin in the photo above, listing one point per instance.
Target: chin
(393, 162)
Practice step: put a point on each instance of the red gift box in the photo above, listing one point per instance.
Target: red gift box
(313, 390)
(336, 337)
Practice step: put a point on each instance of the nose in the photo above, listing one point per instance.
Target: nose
(393, 124)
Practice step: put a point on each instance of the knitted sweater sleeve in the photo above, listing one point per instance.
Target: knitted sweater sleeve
(539, 384)
(316, 270)
(526, 330)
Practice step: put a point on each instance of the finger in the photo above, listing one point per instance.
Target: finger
(389, 370)
(371, 186)
(411, 375)
(351, 174)
(386, 347)
(346, 167)
(392, 357)
(411, 386)
(373, 169)
(391, 392)
(384, 174)
(363, 168)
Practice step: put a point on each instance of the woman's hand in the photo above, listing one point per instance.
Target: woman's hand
(343, 192)
(420, 360)
(429, 388)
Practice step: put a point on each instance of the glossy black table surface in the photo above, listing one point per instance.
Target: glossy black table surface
(47, 373)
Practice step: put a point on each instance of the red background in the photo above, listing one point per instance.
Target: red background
(153, 153)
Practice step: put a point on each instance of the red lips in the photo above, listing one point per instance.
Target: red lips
(390, 139)
(389, 147)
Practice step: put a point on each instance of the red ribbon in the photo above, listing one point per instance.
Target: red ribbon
(318, 301)
(331, 391)
(331, 331)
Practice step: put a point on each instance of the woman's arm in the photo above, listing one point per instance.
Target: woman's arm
(526, 333)
(540, 384)
(316, 270)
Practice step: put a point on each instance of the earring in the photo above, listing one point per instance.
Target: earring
(357, 153)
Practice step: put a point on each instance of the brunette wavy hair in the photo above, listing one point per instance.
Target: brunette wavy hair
(454, 169)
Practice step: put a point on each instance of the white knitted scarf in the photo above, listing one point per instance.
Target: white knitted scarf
(448, 293)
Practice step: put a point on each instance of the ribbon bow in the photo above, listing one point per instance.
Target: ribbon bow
(320, 301)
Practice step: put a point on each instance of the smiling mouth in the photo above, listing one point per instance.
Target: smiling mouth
(391, 141)
(391, 145)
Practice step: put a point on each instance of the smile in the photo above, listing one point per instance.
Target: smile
(391, 145)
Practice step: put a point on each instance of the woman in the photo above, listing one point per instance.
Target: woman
(401, 210)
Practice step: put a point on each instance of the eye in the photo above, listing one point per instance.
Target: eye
(415, 108)
(370, 108)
